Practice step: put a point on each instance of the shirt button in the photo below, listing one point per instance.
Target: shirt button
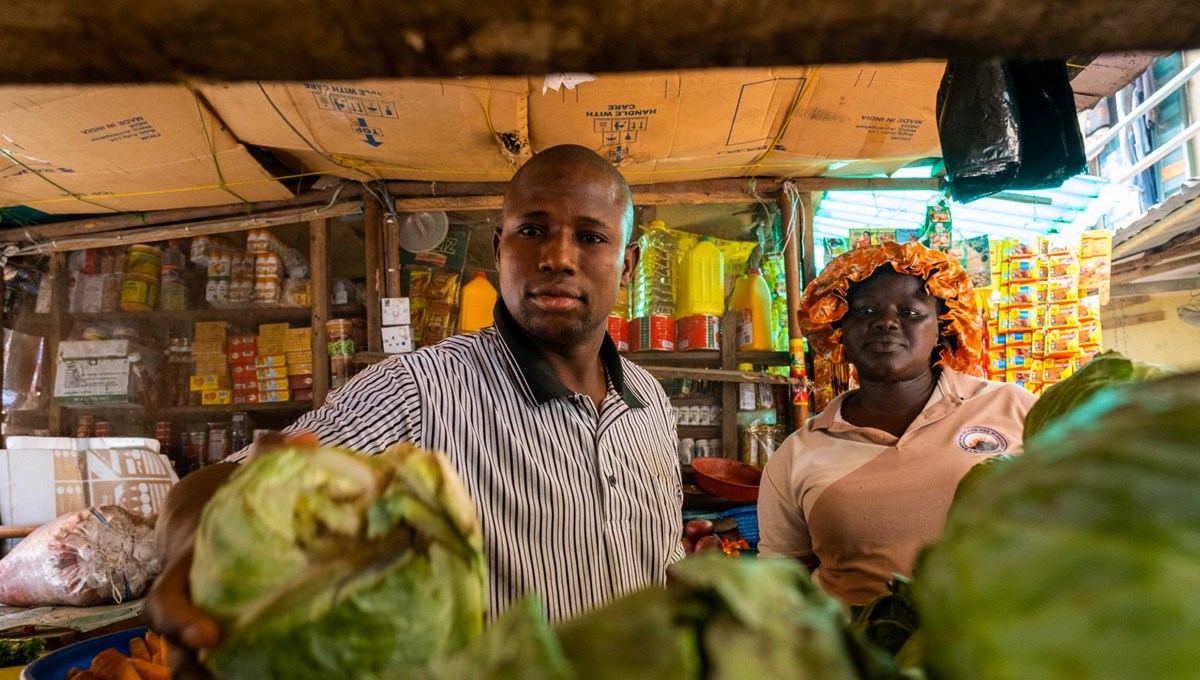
(612, 481)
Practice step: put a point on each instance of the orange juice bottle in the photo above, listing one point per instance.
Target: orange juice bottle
(751, 302)
(478, 301)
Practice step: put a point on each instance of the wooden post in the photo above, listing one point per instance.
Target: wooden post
(58, 312)
(318, 235)
(391, 256)
(373, 233)
(729, 390)
(796, 232)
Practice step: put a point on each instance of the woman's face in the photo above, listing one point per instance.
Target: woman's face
(891, 329)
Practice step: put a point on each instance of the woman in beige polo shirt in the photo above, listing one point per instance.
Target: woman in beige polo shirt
(857, 491)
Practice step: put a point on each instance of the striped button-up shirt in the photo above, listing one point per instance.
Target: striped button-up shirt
(576, 505)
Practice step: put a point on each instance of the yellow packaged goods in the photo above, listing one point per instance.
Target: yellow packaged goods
(1062, 289)
(1063, 265)
(305, 357)
(139, 293)
(1089, 333)
(1062, 314)
(270, 346)
(203, 383)
(1026, 293)
(443, 287)
(1062, 341)
(274, 397)
(210, 364)
(305, 368)
(265, 360)
(273, 331)
(997, 361)
(144, 260)
(269, 372)
(1019, 377)
(216, 397)
(1023, 268)
(1056, 369)
(1039, 342)
(1025, 318)
(276, 385)
(1096, 243)
(1018, 357)
(210, 331)
(208, 347)
(1089, 307)
(438, 317)
(298, 340)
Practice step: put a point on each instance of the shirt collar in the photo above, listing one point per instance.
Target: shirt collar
(542, 384)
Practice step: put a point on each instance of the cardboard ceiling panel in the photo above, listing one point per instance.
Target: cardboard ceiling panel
(670, 126)
(860, 120)
(464, 130)
(75, 149)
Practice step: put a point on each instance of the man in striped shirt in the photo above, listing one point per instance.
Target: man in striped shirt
(567, 449)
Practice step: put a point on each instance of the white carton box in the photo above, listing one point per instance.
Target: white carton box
(96, 371)
(42, 478)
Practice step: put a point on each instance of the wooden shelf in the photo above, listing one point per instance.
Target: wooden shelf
(228, 409)
(700, 431)
(250, 314)
(715, 375)
(707, 358)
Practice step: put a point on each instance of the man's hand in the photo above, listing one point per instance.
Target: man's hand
(169, 603)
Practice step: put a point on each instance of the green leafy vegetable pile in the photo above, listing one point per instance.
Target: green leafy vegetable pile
(322, 563)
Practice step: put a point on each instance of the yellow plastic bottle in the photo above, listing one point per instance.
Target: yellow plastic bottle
(751, 301)
(478, 301)
(702, 281)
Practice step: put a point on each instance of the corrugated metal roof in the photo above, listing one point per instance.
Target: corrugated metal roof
(1075, 206)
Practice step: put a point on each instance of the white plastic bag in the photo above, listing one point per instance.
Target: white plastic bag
(94, 556)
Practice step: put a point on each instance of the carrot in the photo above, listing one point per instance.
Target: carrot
(150, 671)
(138, 650)
(112, 665)
(152, 643)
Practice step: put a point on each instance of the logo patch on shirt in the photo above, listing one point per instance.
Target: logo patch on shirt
(981, 440)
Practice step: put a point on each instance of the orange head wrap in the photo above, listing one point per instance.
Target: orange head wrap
(825, 303)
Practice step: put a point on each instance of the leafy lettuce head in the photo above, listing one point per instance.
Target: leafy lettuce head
(1081, 558)
(323, 563)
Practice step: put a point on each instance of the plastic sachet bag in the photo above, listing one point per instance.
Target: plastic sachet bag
(94, 556)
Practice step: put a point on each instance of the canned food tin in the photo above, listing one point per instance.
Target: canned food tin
(697, 332)
(686, 449)
(652, 333)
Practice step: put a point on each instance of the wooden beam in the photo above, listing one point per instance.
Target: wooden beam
(373, 235)
(190, 230)
(1132, 275)
(318, 255)
(16, 530)
(716, 375)
(1137, 319)
(96, 225)
(58, 329)
(1121, 303)
(792, 212)
(1185, 246)
(1154, 287)
(63, 41)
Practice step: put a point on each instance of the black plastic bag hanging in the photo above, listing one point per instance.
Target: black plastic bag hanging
(1007, 125)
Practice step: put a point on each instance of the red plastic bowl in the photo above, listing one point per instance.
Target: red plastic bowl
(727, 478)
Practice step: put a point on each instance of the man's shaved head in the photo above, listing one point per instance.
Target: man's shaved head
(567, 158)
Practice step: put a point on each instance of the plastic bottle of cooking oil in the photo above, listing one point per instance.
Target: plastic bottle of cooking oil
(653, 326)
(701, 297)
(478, 301)
(751, 301)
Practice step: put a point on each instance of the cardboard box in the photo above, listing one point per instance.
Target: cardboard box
(271, 372)
(248, 386)
(96, 371)
(302, 395)
(274, 385)
(263, 361)
(243, 372)
(109, 148)
(462, 130)
(298, 340)
(211, 364)
(216, 398)
(205, 383)
(300, 382)
(208, 347)
(246, 397)
(271, 346)
(275, 397)
(244, 357)
(304, 357)
(42, 478)
(242, 342)
(211, 331)
(300, 368)
(273, 331)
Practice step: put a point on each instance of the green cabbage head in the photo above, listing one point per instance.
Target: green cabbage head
(323, 563)
(1082, 559)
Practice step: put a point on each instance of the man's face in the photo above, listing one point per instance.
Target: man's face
(891, 328)
(561, 252)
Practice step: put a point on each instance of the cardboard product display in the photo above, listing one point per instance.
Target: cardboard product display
(96, 149)
(42, 478)
(464, 130)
